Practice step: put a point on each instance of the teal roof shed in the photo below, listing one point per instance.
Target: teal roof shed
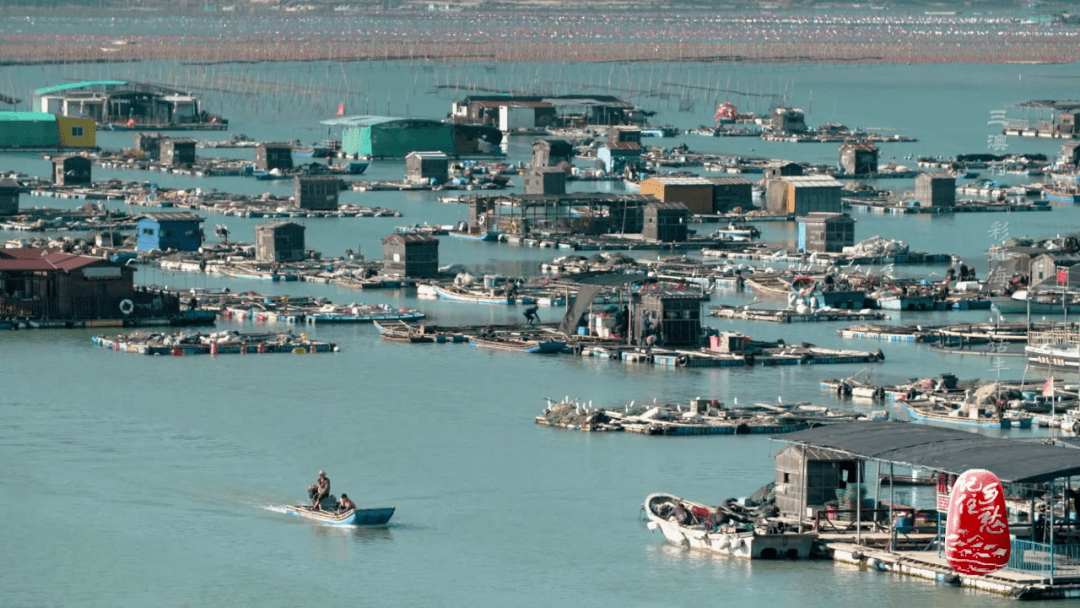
(387, 136)
(28, 130)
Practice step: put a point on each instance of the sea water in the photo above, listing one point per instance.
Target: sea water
(134, 481)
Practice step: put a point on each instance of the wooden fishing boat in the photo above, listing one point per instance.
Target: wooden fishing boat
(402, 332)
(353, 517)
(361, 313)
(726, 530)
(1022, 302)
(926, 411)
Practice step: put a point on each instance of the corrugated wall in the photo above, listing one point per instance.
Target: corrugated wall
(28, 130)
(77, 132)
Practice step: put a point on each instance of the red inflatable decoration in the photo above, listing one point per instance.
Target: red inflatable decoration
(977, 535)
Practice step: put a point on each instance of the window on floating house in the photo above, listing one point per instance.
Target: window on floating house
(76, 131)
(165, 233)
(148, 231)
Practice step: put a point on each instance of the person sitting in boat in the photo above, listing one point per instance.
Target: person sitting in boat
(345, 503)
(322, 490)
(680, 514)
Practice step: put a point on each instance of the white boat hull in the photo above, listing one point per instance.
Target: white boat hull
(744, 544)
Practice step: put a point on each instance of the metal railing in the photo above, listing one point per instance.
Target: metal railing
(1042, 558)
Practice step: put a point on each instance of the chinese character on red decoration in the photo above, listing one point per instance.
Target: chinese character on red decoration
(977, 535)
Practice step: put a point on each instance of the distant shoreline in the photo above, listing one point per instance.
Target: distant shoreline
(516, 35)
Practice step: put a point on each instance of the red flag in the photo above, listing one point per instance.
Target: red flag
(1048, 388)
(341, 109)
(1062, 276)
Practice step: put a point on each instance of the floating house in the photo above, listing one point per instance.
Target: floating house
(623, 133)
(665, 222)
(71, 170)
(800, 195)
(9, 196)
(859, 158)
(786, 120)
(427, 167)
(411, 255)
(316, 192)
(164, 231)
(37, 130)
(280, 242)
(546, 111)
(576, 213)
(391, 137)
(669, 317)
(552, 152)
(732, 193)
(614, 157)
(149, 144)
(177, 152)
(126, 105)
(697, 194)
(807, 479)
(273, 155)
(1069, 153)
(44, 284)
(935, 190)
(826, 232)
(545, 180)
(781, 168)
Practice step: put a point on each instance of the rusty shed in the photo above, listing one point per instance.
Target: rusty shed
(270, 156)
(280, 242)
(935, 190)
(411, 255)
(316, 192)
(780, 168)
(859, 158)
(71, 170)
(545, 180)
(1069, 153)
(177, 152)
(9, 196)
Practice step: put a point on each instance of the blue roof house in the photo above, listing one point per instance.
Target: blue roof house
(179, 231)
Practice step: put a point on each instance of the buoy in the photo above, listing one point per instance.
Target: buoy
(127, 306)
(262, 347)
(177, 352)
(213, 348)
(299, 350)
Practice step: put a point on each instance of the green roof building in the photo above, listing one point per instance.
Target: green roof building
(28, 130)
(390, 137)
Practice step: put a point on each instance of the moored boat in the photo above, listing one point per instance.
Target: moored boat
(728, 529)
(458, 294)
(521, 344)
(973, 416)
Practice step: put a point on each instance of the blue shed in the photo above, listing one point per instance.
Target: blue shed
(179, 231)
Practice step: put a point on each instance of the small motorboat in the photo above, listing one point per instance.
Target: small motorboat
(329, 515)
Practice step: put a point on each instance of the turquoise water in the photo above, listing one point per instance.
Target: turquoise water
(132, 481)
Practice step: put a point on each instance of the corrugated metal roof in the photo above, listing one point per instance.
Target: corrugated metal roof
(25, 253)
(623, 146)
(862, 145)
(811, 181)
(668, 206)
(52, 261)
(9, 183)
(728, 181)
(429, 155)
(79, 85)
(945, 450)
(27, 117)
(822, 217)
(681, 181)
(408, 237)
(360, 120)
(271, 226)
(178, 140)
(172, 217)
